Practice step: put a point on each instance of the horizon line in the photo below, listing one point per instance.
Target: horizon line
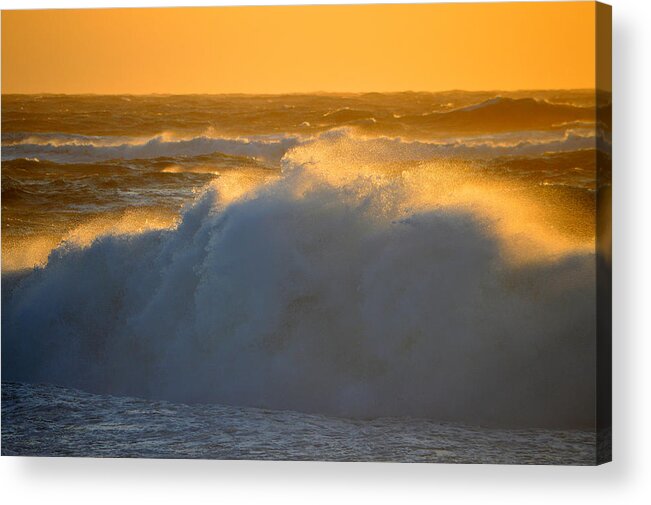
(297, 93)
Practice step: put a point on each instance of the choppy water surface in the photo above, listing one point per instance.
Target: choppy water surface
(386, 261)
(47, 420)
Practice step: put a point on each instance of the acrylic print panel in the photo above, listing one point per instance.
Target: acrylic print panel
(348, 233)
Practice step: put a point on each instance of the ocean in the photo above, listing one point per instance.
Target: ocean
(403, 276)
(46, 420)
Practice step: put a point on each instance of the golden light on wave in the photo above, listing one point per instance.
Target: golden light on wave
(533, 222)
(531, 226)
(20, 253)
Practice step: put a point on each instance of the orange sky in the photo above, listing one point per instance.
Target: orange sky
(300, 49)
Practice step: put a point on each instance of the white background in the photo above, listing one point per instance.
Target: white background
(626, 480)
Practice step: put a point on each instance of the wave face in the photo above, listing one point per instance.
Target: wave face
(358, 255)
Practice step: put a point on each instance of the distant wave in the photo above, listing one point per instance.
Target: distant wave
(502, 113)
(481, 105)
(327, 290)
(84, 149)
(347, 114)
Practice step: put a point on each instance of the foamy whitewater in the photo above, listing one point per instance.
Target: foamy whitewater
(420, 264)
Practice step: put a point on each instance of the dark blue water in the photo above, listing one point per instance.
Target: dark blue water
(44, 420)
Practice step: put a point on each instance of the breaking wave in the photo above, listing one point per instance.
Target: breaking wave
(66, 148)
(328, 289)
